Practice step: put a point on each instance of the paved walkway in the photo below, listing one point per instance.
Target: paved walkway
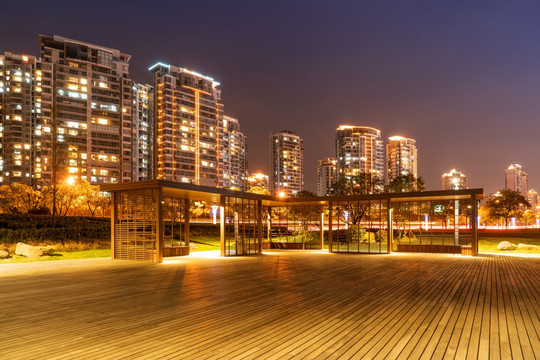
(283, 304)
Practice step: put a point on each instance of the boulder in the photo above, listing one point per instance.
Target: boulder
(506, 245)
(528, 247)
(33, 252)
(4, 254)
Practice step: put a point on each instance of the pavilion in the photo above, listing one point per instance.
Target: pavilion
(147, 214)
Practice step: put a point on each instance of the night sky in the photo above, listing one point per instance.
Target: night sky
(460, 77)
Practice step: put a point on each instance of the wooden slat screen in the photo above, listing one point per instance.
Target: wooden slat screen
(136, 226)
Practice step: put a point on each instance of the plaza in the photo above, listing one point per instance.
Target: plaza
(275, 305)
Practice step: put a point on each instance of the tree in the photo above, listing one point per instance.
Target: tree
(308, 215)
(61, 197)
(506, 204)
(404, 212)
(21, 199)
(446, 211)
(528, 218)
(91, 197)
(486, 216)
(405, 183)
(361, 184)
(304, 193)
(259, 190)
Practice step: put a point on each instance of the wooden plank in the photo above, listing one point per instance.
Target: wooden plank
(283, 304)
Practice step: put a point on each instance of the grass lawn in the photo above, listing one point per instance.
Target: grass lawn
(208, 242)
(204, 243)
(489, 244)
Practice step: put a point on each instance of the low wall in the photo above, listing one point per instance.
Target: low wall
(439, 249)
(175, 251)
(289, 246)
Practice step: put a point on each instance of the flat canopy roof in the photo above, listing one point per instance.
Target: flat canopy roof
(212, 194)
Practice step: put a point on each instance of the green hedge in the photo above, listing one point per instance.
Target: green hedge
(15, 228)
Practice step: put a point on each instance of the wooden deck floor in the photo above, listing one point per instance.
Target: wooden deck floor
(284, 304)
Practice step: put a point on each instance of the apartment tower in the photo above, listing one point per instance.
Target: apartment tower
(233, 150)
(359, 150)
(86, 112)
(516, 179)
(454, 180)
(20, 120)
(401, 157)
(143, 115)
(286, 163)
(187, 113)
(326, 176)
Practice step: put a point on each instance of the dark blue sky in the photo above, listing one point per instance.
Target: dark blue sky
(460, 77)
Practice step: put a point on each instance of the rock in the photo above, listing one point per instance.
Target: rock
(506, 245)
(4, 254)
(528, 247)
(33, 252)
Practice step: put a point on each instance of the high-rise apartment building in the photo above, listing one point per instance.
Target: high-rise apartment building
(359, 149)
(187, 113)
(454, 180)
(233, 150)
(532, 198)
(401, 157)
(20, 119)
(326, 176)
(143, 126)
(86, 112)
(286, 163)
(516, 179)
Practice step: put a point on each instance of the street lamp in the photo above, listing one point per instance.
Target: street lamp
(214, 211)
(70, 181)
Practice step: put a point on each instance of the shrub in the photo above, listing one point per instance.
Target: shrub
(35, 228)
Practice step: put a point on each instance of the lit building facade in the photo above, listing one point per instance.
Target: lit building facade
(258, 179)
(454, 180)
(187, 114)
(286, 163)
(86, 112)
(233, 150)
(532, 198)
(143, 125)
(401, 157)
(20, 120)
(516, 179)
(359, 149)
(326, 176)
